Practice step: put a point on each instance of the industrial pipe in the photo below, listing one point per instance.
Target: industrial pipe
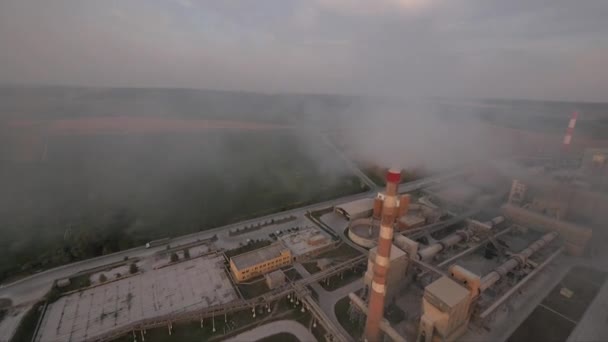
(472, 249)
(514, 289)
(517, 260)
(467, 251)
(452, 239)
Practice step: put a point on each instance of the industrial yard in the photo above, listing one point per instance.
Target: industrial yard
(303, 171)
(494, 251)
(466, 253)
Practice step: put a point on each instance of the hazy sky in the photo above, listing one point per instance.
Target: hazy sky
(551, 49)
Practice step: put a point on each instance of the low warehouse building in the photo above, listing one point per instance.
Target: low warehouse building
(260, 261)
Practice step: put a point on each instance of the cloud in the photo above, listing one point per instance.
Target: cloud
(364, 7)
(185, 3)
(389, 47)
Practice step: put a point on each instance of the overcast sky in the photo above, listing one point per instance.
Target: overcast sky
(546, 49)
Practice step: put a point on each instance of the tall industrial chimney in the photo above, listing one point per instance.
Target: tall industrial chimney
(569, 131)
(385, 240)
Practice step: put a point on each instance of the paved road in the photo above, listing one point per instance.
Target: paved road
(34, 287)
(273, 328)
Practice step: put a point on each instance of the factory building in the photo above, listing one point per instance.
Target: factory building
(356, 209)
(260, 261)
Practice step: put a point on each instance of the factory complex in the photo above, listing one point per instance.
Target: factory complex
(504, 250)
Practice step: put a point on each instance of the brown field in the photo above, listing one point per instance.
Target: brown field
(132, 125)
(25, 140)
(520, 142)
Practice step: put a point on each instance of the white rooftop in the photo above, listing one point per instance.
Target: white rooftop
(358, 206)
(188, 285)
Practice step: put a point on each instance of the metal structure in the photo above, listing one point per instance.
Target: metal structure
(460, 235)
(447, 303)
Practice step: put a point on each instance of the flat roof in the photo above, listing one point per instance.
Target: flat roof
(448, 291)
(412, 219)
(299, 242)
(257, 256)
(275, 275)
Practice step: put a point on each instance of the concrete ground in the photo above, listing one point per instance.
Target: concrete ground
(273, 328)
(189, 285)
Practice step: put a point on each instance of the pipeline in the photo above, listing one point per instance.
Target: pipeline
(452, 239)
(514, 289)
(516, 260)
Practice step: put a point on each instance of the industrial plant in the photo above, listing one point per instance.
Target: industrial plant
(495, 251)
(465, 281)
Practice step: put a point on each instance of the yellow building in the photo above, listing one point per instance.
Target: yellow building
(260, 261)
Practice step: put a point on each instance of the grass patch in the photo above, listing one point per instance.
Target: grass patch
(344, 251)
(25, 331)
(292, 274)
(311, 267)
(354, 327)
(336, 281)
(254, 289)
(394, 314)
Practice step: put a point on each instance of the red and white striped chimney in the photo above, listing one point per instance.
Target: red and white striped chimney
(569, 131)
(385, 240)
